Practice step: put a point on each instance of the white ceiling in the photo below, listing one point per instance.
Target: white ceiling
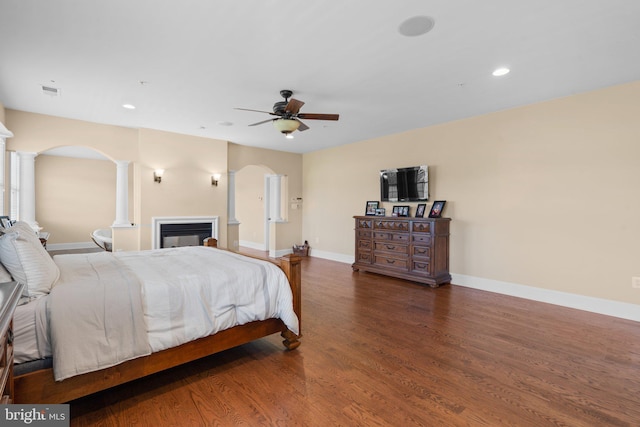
(199, 59)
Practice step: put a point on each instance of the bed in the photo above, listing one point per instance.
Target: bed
(140, 312)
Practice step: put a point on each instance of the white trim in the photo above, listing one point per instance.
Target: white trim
(347, 259)
(157, 221)
(282, 252)
(253, 245)
(595, 305)
(4, 132)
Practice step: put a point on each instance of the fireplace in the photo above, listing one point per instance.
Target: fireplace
(169, 232)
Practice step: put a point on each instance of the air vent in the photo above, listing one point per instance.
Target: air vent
(51, 91)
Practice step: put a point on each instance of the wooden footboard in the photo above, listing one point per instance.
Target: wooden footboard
(40, 387)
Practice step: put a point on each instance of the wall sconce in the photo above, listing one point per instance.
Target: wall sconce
(157, 175)
(214, 179)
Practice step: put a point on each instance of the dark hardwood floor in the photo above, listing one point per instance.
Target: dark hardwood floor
(378, 351)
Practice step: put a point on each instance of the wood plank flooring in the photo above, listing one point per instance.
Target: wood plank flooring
(378, 351)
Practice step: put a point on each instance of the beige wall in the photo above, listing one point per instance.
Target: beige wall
(282, 163)
(74, 197)
(185, 190)
(545, 195)
(38, 132)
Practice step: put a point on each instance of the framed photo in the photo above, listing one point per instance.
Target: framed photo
(5, 222)
(437, 208)
(381, 212)
(401, 211)
(371, 208)
(420, 210)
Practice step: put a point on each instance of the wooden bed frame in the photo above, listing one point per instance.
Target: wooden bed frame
(40, 386)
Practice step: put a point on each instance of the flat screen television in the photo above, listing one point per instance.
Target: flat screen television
(404, 184)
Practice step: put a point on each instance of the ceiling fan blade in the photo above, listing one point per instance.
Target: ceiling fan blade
(316, 116)
(294, 106)
(264, 121)
(257, 111)
(302, 125)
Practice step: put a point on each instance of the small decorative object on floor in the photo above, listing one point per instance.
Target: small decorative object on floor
(302, 250)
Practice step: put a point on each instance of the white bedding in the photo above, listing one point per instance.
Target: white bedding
(31, 331)
(185, 293)
(192, 292)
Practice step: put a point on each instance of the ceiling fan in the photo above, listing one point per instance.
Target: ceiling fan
(289, 115)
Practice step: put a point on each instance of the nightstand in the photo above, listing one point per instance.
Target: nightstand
(10, 293)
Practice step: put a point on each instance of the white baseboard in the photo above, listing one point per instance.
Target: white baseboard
(253, 245)
(595, 305)
(282, 252)
(347, 259)
(70, 246)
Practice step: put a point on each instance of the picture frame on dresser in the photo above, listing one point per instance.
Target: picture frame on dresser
(420, 210)
(437, 208)
(381, 212)
(371, 208)
(401, 210)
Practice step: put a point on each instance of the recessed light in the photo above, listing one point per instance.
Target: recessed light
(416, 26)
(500, 71)
(129, 106)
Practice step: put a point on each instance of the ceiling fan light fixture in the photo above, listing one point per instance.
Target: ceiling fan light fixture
(286, 126)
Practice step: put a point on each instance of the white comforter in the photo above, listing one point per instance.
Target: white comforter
(107, 308)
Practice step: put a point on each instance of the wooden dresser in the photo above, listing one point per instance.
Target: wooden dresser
(415, 249)
(9, 296)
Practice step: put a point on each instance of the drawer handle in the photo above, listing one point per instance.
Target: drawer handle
(391, 261)
(390, 247)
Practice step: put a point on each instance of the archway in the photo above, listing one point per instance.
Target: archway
(251, 207)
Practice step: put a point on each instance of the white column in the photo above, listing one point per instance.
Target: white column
(27, 212)
(4, 134)
(122, 194)
(231, 198)
(276, 198)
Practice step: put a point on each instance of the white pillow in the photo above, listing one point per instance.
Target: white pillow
(28, 262)
(5, 276)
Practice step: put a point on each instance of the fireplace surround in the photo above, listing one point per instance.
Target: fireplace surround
(182, 230)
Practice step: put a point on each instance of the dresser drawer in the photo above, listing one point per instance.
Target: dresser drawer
(392, 237)
(391, 247)
(363, 234)
(392, 225)
(365, 244)
(392, 262)
(421, 251)
(364, 223)
(421, 239)
(422, 227)
(421, 267)
(364, 257)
